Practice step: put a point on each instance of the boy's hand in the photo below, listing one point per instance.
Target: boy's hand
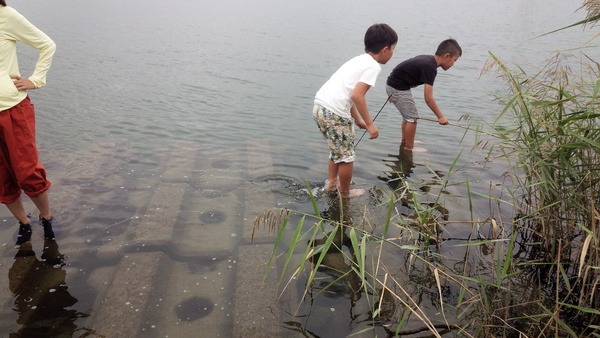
(373, 131)
(361, 123)
(443, 120)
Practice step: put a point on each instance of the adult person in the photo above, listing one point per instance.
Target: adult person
(20, 169)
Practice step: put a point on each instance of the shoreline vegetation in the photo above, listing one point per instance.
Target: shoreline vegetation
(542, 277)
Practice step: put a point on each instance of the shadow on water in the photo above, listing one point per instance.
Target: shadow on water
(401, 166)
(333, 300)
(41, 297)
(398, 180)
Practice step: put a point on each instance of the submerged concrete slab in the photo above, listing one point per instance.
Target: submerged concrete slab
(260, 164)
(155, 227)
(256, 291)
(208, 177)
(64, 193)
(195, 302)
(120, 312)
(181, 161)
(211, 282)
(212, 224)
(256, 308)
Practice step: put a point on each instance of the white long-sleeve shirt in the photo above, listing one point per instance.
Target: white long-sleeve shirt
(14, 27)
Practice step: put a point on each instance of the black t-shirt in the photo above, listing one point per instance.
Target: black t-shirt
(413, 72)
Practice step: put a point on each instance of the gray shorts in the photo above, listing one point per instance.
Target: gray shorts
(403, 100)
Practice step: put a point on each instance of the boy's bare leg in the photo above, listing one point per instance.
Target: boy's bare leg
(403, 133)
(16, 208)
(42, 203)
(409, 130)
(332, 176)
(345, 173)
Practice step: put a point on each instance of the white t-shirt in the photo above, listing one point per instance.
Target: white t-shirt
(335, 94)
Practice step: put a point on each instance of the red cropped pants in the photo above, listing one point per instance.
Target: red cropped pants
(20, 169)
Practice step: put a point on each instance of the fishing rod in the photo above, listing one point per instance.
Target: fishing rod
(458, 125)
(386, 101)
(426, 119)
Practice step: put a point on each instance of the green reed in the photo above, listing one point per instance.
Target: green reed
(491, 297)
(550, 124)
(416, 235)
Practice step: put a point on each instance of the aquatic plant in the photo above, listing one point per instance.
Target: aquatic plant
(362, 254)
(550, 122)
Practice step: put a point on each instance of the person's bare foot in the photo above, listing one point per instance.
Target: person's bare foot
(413, 148)
(330, 186)
(352, 193)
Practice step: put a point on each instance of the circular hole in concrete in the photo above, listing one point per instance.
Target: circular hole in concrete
(221, 164)
(194, 309)
(212, 217)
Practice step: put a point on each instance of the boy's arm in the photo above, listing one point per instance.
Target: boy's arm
(356, 117)
(433, 105)
(360, 105)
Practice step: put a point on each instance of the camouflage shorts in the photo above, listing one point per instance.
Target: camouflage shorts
(338, 132)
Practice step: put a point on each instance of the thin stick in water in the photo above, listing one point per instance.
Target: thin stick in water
(458, 125)
(386, 101)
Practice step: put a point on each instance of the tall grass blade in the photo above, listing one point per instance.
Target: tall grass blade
(363, 256)
(312, 198)
(292, 246)
(324, 249)
(583, 309)
(562, 324)
(276, 245)
(388, 216)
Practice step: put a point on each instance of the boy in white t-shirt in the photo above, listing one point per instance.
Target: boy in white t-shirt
(341, 102)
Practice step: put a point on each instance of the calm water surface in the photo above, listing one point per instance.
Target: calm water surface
(180, 121)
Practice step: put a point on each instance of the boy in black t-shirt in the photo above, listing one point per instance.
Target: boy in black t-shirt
(413, 72)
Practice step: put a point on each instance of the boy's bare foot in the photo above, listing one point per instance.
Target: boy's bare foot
(413, 148)
(330, 186)
(352, 193)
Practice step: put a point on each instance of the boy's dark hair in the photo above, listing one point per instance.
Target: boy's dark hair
(2, 3)
(449, 46)
(378, 36)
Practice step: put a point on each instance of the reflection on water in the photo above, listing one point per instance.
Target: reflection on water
(41, 297)
(335, 295)
(401, 166)
(337, 304)
(343, 280)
